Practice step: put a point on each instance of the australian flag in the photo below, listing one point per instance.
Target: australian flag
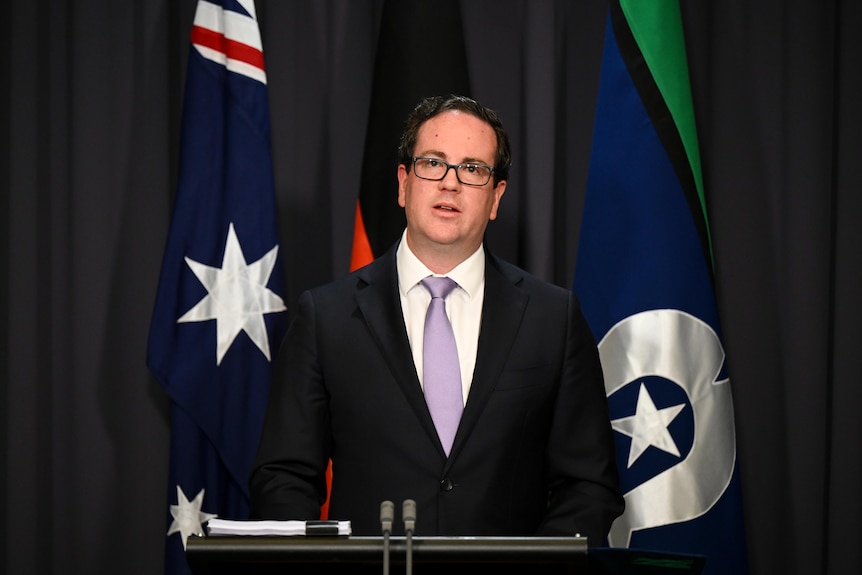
(219, 315)
(645, 279)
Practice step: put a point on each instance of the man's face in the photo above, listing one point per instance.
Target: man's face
(448, 215)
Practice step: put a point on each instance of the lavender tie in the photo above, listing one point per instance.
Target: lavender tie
(441, 369)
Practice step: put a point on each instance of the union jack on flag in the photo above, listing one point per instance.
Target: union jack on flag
(229, 36)
(219, 314)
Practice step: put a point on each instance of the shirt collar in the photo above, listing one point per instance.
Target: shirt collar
(469, 274)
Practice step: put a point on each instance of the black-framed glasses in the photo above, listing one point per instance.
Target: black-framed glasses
(468, 173)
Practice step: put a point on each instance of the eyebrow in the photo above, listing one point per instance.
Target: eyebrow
(442, 156)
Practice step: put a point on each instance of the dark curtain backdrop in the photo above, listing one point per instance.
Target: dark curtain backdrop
(90, 113)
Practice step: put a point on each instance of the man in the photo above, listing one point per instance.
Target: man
(533, 452)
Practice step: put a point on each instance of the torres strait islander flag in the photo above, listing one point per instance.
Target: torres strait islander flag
(645, 280)
(219, 314)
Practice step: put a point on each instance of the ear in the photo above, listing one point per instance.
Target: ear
(498, 192)
(402, 184)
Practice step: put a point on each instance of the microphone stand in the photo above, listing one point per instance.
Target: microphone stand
(409, 513)
(387, 513)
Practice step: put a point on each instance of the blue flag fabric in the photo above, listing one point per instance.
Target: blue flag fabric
(219, 314)
(645, 280)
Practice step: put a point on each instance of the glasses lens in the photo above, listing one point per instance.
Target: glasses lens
(474, 174)
(430, 169)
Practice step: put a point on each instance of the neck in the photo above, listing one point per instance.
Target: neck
(440, 259)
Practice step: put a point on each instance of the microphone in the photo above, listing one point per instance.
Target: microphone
(408, 511)
(387, 514)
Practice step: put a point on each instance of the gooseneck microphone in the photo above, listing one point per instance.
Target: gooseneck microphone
(387, 514)
(408, 511)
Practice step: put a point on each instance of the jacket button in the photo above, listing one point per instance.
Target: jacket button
(447, 485)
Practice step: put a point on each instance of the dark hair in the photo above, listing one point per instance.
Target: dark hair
(434, 105)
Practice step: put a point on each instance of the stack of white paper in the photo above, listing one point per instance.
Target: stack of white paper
(272, 527)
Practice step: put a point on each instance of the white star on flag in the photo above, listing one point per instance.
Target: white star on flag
(188, 517)
(237, 296)
(648, 426)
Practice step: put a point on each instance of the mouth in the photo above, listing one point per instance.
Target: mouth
(446, 208)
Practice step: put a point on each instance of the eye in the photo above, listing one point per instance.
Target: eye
(471, 168)
(432, 163)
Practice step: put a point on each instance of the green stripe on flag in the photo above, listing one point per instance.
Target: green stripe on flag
(657, 28)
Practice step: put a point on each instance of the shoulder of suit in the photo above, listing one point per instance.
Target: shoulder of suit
(381, 269)
(524, 279)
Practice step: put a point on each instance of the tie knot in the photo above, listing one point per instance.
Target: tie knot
(439, 286)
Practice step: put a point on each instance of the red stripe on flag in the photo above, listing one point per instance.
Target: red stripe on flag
(231, 48)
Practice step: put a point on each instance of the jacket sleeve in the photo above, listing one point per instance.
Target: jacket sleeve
(583, 480)
(288, 480)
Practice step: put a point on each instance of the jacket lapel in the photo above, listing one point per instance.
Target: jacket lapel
(380, 305)
(502, 311)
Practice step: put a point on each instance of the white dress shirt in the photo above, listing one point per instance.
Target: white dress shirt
(463, 306)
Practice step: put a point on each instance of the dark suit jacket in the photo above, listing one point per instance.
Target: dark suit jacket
(533, 455)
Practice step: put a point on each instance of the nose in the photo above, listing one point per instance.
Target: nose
(450, 179)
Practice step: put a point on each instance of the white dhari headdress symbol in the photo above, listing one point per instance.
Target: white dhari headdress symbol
(682, 349)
